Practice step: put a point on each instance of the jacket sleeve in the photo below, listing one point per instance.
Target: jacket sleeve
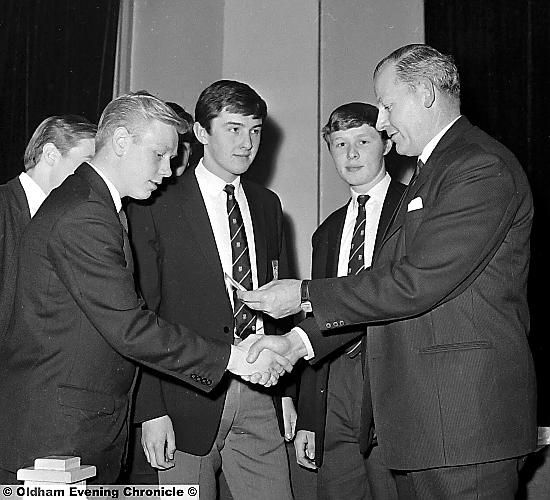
(149, 399)
(444, 248)
(86, 251)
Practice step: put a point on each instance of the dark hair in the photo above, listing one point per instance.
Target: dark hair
(186, 135)
(417, 60)
(231, 96)
(351, 115)
(63, 132)
(134, 111)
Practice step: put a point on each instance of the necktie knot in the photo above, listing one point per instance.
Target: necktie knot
(419, 165)
(362, 199)
(229, 189)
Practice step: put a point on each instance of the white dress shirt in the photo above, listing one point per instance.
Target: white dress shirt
(33, 192)
(428, 148)
(373, 209)
(215, 199)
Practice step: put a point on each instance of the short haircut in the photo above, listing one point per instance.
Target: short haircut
(416, 61)
(64, 132)
(351, 115)
(231, 96)
(134, 111)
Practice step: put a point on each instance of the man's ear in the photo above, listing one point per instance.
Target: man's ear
(387, 146)
(427, 90)
(200, 133)
(50, 153)
(121, 140)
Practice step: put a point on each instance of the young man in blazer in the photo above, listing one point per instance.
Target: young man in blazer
(329, 407)
(67, 362)
(184, 248)
(452, 381)
(57, 146)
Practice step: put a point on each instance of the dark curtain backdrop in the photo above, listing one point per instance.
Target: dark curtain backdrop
(502, 51)
(56, 57)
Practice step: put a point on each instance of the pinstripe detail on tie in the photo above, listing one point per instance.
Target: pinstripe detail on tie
(245, 318)
(356, 262)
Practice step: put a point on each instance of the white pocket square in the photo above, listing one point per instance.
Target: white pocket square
(415, 204)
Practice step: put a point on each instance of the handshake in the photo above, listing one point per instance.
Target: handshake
(262, 359)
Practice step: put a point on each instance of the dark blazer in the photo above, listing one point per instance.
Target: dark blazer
(181, 278)
(66, 364)
(14, 216)
(451, 374)
(312, 402)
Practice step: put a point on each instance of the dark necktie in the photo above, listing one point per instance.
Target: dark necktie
(356, 262)
(127, 250)
(245, 318)
(123, 219)
(419, 165)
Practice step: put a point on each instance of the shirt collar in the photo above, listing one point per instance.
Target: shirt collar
(33, 192)
(112, 189)
(377, 192)
(213, 184)
(428, 148)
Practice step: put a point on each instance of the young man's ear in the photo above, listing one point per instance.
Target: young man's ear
(121, 140)
(200, 133)
(50, 153)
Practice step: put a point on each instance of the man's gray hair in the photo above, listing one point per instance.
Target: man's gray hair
(134, 111)
(416, 61)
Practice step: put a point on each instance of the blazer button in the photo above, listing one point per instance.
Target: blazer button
(342, 323)
(193, 376)
(226, 329)
(209, 382)
(328, 325)
(335, 323)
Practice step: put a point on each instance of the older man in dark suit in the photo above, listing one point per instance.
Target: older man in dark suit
(67, 363)
(57, 146)
(452, 384)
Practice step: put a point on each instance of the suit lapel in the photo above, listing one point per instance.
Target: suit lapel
(389, 210)
(457, 130)
(102, 191)
(260, 226)
(23, 211)
(334, 241)
(193, 212)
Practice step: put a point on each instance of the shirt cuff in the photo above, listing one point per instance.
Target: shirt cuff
(306, 341)
(235, 358)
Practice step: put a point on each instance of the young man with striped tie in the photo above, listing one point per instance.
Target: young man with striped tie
(329, 409)
(208, 225)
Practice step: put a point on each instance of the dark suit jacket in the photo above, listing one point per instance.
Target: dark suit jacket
(312, 403)
(14, 216)
(181, 278)
(451, 374)
(66, 364)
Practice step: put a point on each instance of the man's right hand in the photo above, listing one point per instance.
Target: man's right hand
(304, 444)
(159, 442)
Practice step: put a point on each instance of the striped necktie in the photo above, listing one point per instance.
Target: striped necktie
(245, 318)
(356, 261)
